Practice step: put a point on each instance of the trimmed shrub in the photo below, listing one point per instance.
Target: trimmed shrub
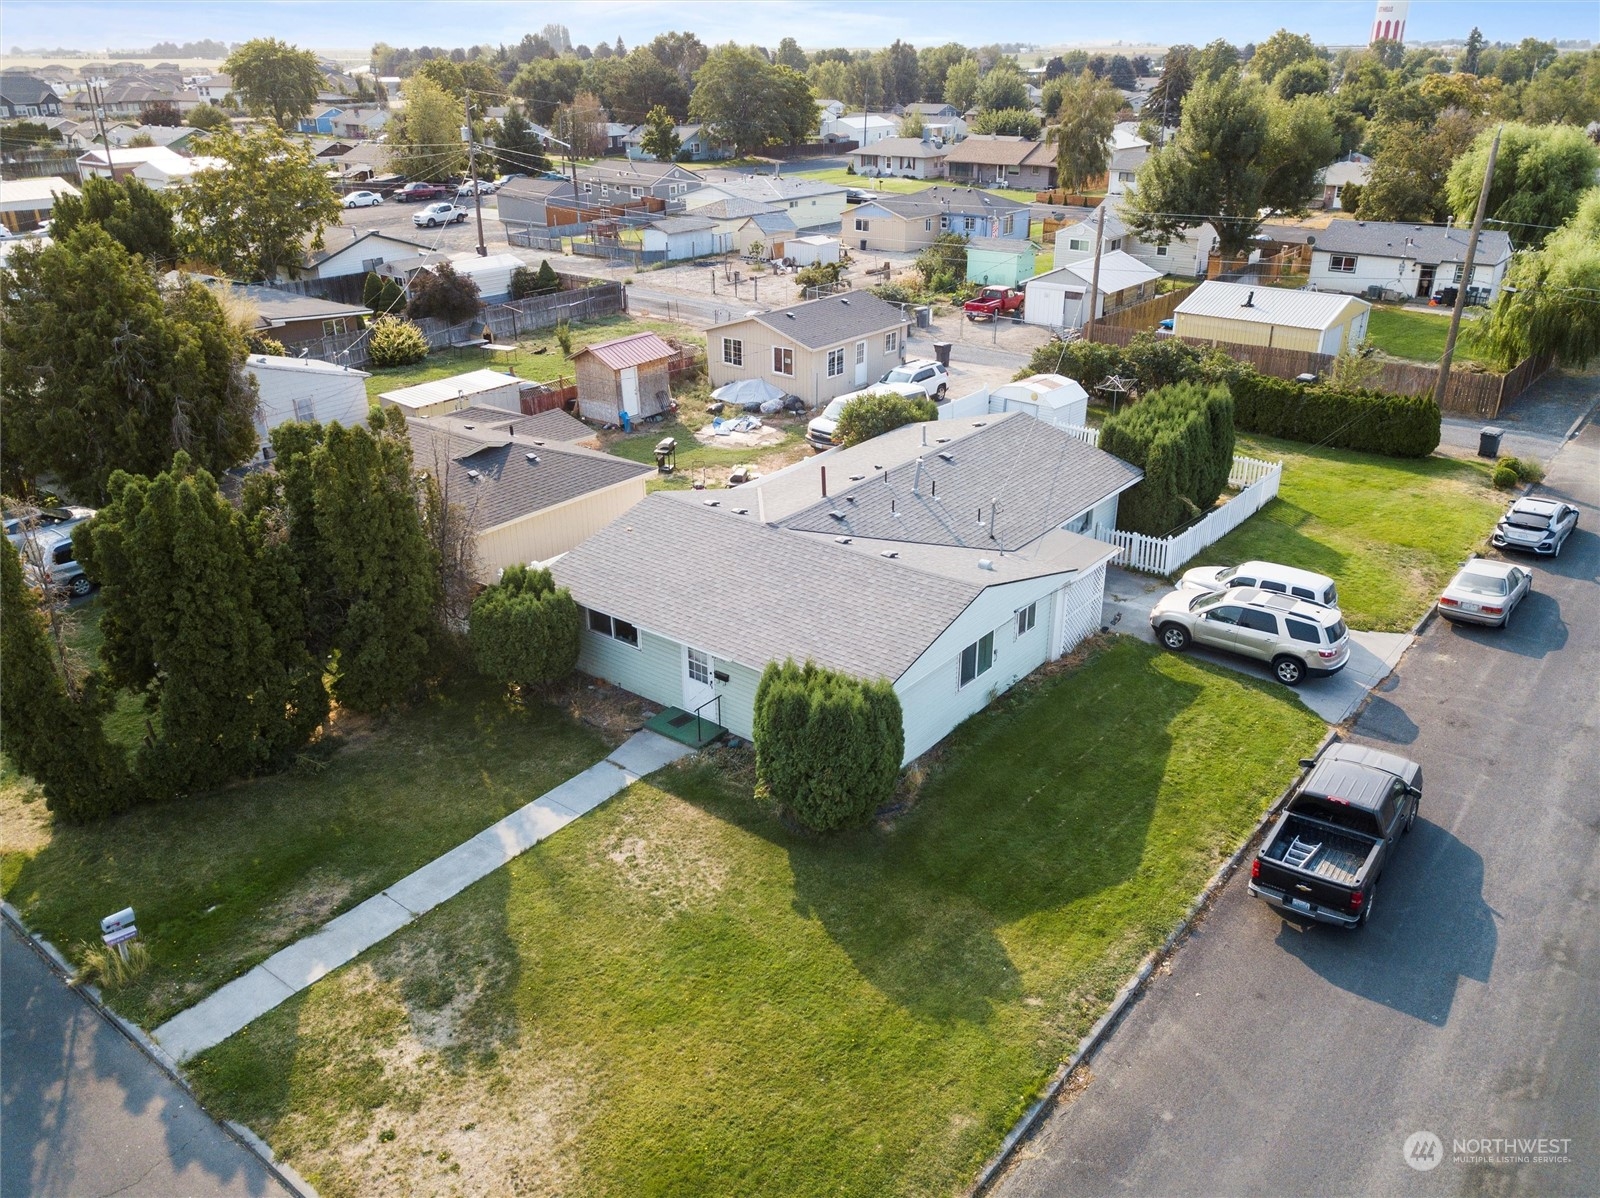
(524, 630)
(526, 282)
(1159, 361)
(383, 295)
(444, 294)
(828, 746)
(1182, 437)
(260, 343)
(875, 413)
(1505, 477)
(1088, 362)
(1526, 469)
(1399, 426)
(395, 341)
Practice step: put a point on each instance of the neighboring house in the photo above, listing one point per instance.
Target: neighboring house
(684, 237)
(1059, 298)
(773, 230)
(306, 389)
(344, 121)
(815, 350)
(470, 389)
(616, 182)
(1002, 160)
(627, 374)
(939, 120)
(1336, 177)
(26, 203)
(863, 128)
(695, 144)
(909, 222)
(1355, 256)
(813, 205)
(617, 135)
(26, 96)
(525, 203)
(901, 157)
(1276, 317)
(858, 558)
(174, 137)
(292, 318)
(554, 425)
(214, 89)
(1186, 254)
(527, 499)
(156, 166)
(1005, 261)
(828, 108)
(492, 273)
(1123, 168)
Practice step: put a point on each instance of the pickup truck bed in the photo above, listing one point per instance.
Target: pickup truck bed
(1319, 850)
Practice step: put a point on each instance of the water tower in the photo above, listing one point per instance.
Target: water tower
(1390, 22)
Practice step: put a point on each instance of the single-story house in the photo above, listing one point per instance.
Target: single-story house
(813, 205)
(626, 374)
(1276, 317)
(1355, 256)
(348, 251)
(611, 182)
(1003, 160)
(910, 222)
(1000, 260)
(523, 203)
(527, 499)
(773, 230)
(470, 389)
(156, 166)
(292, 318)
(174, 137)
(684, 237)
(901, 157)
(863, 128)
(1058, 298)
(25, 204)
(859, 554)
(1186, 254)
(939, 120)
(816, 350)
(1356, 169)
(695, 144)
(1052, 398)
(306, 389)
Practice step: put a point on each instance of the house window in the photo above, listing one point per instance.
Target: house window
(588, 188)
(861, 226)
(334, 328)
(927, 225)
(891, 342)
(1117, 244)
(1343, 263)
(1026, 618)
(782, 361)
(733, 351)
(370, 265)
(1161, 251)
(1077, 243)
(835, 363)
(617, 630)
(636, 192)
(977, 658)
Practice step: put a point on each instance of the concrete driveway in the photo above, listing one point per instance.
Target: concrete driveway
(1536, 423)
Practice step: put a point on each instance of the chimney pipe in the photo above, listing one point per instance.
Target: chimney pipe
(824, 482)
(916, 479)
(993, 508)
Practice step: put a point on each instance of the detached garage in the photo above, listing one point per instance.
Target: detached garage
(1312, 321)
(475, 388)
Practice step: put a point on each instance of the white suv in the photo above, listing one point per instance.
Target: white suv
(932, 378)
(1301, 640)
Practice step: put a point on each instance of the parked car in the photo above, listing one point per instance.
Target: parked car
(482, 187)
(1300, 640)
(820, 432)
(362, 199)
(439, 214)
(51, 564)
(1336, 836)
(1536, 525)
(1485, 592)
(1269, 576)
(418, 192)
(511, 178)
(993, 302)
(927, 374)
(38, 520)
(854, 195)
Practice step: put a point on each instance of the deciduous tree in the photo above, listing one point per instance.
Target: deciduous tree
(1082, 137)
(425, 137)
(1280, 50)
(1548, 305)
(274, 78)
(961, 85)
(1003, 87)
(1019, 122)
(750, 103)
(659, 139)
(1540, 175)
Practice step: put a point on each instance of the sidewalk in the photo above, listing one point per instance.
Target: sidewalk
(341, 940)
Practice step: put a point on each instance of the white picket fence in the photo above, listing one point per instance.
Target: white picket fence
(1163, 555)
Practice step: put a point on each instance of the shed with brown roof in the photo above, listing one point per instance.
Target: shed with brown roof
(628, 374)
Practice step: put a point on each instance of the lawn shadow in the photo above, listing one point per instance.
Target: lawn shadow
(1430, 927)
(1274, 534)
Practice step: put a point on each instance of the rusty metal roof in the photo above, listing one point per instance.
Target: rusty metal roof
(629, 351)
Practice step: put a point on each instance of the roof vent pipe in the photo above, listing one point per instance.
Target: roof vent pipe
(1249, 300)
(824, 482)
(916, 479)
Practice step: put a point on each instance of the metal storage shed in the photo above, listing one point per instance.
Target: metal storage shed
(1276, 317)
(480, 388)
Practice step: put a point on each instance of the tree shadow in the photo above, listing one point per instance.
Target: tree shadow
(1429, 928)
(1387, 721)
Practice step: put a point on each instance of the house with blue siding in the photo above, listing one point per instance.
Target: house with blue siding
(949, 557)
(1000, 261)
(909, 222)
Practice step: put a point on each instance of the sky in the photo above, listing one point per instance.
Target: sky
(356, 24)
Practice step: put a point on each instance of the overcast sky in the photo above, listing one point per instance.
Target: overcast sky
(357, 24)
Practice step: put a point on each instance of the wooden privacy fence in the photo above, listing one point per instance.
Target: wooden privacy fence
(1144, 315)
(1164, 555)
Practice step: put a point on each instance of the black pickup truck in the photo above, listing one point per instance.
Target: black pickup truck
(1325, 855)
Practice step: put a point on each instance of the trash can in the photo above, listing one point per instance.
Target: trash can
(1489, 441)
(941, 353)
(924, 316)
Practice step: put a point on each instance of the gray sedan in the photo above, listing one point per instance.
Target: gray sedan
(1485, 592)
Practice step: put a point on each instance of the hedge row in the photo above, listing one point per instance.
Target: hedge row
(1399, 426)
(1182, 437)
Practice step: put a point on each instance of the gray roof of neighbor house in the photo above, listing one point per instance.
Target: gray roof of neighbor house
(1020, 476)
(539, 189)
(773, 222)
(925, 109)
(769, 190)
(1000, 149)
(554, 425)
(933, 201)
(1428, 244)
(732, 208)
(22, 90)
(629, 171)
(681, 224)
(498, 477)
(275, 307)
(830, 320)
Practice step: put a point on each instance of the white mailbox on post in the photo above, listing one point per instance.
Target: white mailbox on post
(116, 930)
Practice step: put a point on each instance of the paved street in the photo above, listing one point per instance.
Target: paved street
(1273, 1059)
(86, 1113)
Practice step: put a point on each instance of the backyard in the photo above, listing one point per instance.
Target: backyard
(868, 183)
(677, 995)
(1416, 334)
(1389, 531)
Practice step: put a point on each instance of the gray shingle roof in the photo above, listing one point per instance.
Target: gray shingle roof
(1430, 244)
(773, 222)
(509, 484)
(554, 425)
(22, 90)
(733, 207)
(1035, 475)
(860, 613)
(681, 224)
(832, 319)
(933, 201)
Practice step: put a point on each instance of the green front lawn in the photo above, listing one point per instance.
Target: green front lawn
(1389, 531)
(676, 995)
(222, 881)
(1416, 334)
(844, 178)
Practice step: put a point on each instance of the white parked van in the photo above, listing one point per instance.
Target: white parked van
(1269, 576)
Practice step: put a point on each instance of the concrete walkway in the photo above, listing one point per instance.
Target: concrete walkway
(341, 940)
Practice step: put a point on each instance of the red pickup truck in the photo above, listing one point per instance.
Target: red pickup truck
(417, 192)
(992, 302)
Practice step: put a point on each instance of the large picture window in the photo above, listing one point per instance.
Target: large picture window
(1343, 263)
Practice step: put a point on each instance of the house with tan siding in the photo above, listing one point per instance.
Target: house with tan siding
(1002, 160)
(815, 350)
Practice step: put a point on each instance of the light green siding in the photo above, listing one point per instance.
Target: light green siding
(738, 696)
(654, 671)
(1001, 269)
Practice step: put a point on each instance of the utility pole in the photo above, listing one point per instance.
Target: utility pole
(1094, 282)
(472, 159)
(1443, 382)
(96, 104)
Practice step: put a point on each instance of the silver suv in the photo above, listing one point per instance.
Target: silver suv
(1301, 640)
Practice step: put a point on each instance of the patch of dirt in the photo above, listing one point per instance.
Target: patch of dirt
(307, 907)
(24, 819)
(667, 853)
(617, 714)
(767, 434)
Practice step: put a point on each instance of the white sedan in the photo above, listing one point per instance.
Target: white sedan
(1485, 592)
(362, 199)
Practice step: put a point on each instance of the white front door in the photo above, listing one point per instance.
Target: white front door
(861, 363)
(630, 390)
(698, 683)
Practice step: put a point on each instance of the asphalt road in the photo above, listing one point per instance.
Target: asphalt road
(85, 1113)
(1274, 1059)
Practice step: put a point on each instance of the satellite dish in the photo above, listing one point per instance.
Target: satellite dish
(1311, 241)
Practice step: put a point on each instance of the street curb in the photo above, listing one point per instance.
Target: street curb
(159, 1057)
(1131, 990)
